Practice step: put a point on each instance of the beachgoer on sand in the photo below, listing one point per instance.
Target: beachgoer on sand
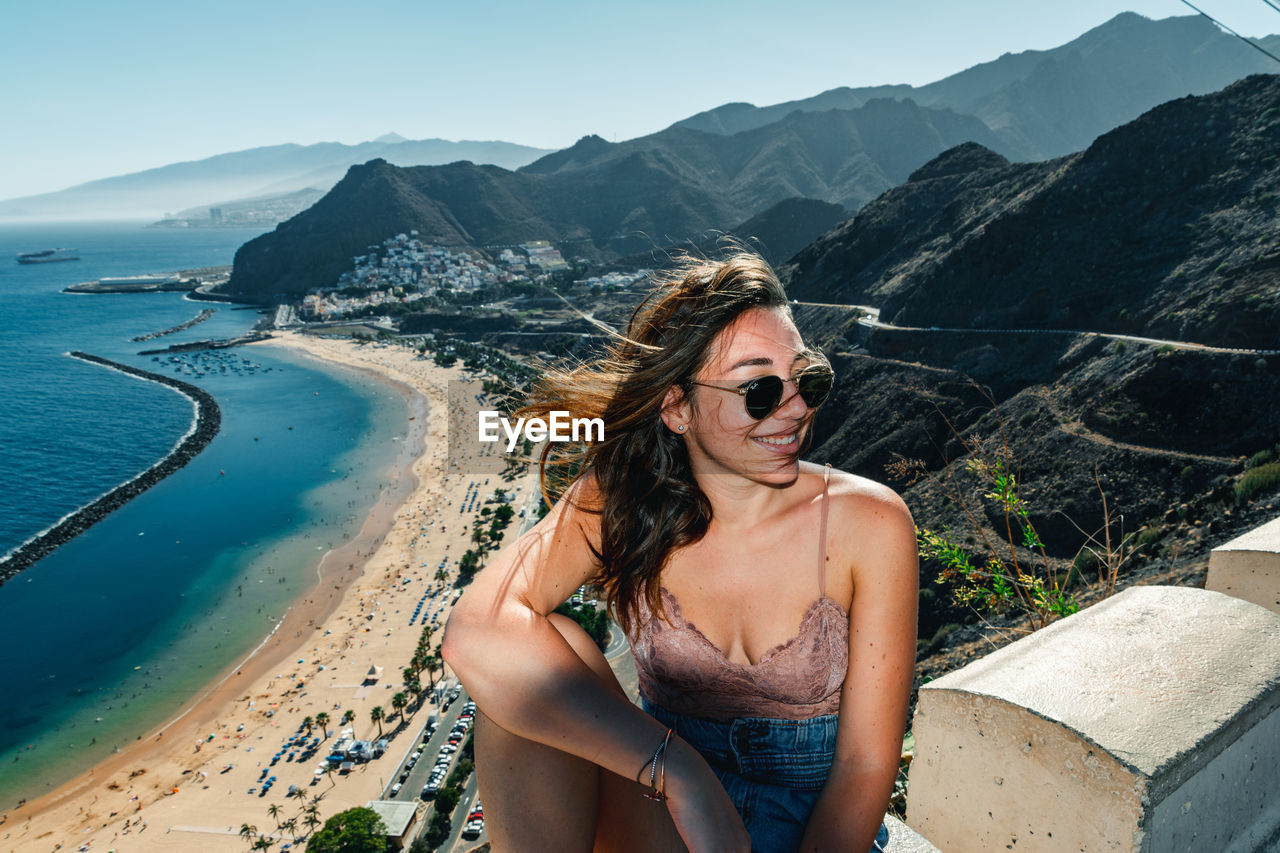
(712, 542)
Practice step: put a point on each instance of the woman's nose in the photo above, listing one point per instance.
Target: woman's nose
(792, 404)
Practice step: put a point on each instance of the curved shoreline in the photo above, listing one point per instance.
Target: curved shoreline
(338, 569)
(207, 422)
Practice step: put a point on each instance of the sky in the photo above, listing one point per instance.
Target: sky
(91, 89)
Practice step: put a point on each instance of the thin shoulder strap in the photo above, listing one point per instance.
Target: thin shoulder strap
(822, 534)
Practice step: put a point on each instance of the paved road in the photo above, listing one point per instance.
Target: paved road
(455, 843)
(421, 771)
(872, 321)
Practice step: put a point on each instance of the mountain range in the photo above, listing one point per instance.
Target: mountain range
(265, 174)
(719, 169)
(1046, 103)
(1168, 226)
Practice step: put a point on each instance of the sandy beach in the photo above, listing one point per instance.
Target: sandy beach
(186, 785)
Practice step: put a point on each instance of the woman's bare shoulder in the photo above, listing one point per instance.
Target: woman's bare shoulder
(854, 496)
(867, 517)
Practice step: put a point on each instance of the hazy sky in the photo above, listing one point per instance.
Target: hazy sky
(92, 89)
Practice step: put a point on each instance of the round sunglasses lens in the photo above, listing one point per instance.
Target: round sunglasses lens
(762, 396)
(815, 387)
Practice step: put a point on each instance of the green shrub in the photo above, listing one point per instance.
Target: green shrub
(1027, 419)
(1262, 457)
(438, 832)
(945, 631)
(1086, 562)
(1073, 578)
(447, 800)
(1256, 481)
(1146, 536)
(1187, 473)
(461, 771)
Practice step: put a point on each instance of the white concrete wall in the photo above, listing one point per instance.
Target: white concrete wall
(1248, 567)
(1148, 722)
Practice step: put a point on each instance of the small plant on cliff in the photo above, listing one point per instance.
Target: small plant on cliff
(1012, 573)
(1013, 570)
(1256, 481)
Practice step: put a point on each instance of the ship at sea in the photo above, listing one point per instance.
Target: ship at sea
(48, 256)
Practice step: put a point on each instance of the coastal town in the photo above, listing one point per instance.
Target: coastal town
(403, 270)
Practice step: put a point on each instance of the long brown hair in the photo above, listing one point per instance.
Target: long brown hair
(649, 502)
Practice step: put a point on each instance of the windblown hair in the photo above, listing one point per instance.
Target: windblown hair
(649, 502)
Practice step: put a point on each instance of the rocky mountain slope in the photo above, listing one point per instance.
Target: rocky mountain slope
(1168, 226)
(1164, 227)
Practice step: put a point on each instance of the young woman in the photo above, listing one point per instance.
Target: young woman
(770, 603)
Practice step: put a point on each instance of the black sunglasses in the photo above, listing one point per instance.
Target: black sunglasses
(763, 395)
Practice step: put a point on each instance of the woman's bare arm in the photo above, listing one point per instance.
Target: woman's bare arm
(873, 702)
(528, 680)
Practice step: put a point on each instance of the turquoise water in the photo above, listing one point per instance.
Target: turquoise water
(113, 632)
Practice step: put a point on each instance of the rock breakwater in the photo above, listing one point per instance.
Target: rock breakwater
(207, 423)
(199, 318)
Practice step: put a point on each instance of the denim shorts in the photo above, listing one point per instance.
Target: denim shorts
(773, 770)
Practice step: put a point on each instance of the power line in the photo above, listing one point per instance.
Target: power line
(1272, 5)
(1256, 47)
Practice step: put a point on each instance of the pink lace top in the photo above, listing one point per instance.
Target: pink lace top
(684, 672)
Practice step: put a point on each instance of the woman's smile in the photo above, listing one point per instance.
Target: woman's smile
(784, 442)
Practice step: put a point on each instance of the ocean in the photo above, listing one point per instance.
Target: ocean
(111, 634)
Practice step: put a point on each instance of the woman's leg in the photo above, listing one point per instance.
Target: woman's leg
(538, 798)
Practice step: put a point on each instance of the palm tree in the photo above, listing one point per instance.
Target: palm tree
(415, 691)
(308, 724)
(398, 703)
(348, 716)
(312, 821)
(433, 663)
(263, 843)
(291, 826)
(409, 673)
(442, 575)
(322, 720)
(376, 714)
(247, 831)
(274, 811)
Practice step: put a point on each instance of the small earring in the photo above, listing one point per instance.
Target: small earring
(680, 428)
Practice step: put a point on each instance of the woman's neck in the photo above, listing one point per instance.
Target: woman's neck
(737, 500)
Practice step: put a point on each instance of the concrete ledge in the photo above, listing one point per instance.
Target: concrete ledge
(1248, 567)
(1150, 721)
(904, 839)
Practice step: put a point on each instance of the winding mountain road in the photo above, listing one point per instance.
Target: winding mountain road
(871, 320)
